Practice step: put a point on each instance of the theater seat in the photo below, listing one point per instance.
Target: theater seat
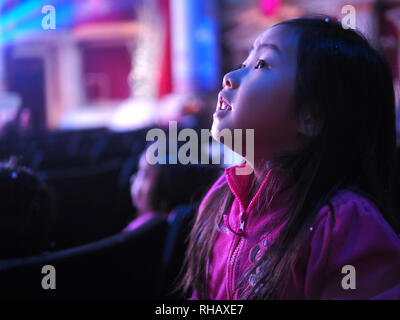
(123, 266)
(87, 203)
(180, 224)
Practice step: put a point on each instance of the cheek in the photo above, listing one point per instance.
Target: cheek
(268, 106)
(268, 110)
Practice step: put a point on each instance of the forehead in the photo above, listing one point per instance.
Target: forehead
(281, 36)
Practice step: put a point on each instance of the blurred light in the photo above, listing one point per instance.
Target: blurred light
(195, 45)
(26, 18)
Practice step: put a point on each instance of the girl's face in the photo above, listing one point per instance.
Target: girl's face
(260, 94)
(142, 184)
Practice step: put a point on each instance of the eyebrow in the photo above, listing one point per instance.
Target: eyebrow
(267, 45)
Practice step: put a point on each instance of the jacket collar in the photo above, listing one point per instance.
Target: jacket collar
(240, 185)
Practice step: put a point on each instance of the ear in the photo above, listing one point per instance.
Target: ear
(308, 126)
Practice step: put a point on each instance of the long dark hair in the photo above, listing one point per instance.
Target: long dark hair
(346, 84)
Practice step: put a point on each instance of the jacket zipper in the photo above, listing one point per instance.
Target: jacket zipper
(243, 218)
(231, 269)
(234, 255)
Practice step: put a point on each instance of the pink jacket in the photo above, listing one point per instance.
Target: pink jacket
(355, 234)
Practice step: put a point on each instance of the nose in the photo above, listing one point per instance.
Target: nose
(229, 81)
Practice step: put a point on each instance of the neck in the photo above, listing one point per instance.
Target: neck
(260, 166)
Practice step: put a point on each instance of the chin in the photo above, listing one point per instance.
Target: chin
(216, 129)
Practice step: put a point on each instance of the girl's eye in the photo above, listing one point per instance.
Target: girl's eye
(241, 66)
(260, 64)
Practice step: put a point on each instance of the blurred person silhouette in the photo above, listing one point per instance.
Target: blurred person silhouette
(19, 123)
(27, 212)
(159, 189)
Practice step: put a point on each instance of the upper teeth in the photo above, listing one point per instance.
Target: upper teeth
(224, 105)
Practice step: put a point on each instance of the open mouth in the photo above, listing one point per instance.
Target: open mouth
(224, 105)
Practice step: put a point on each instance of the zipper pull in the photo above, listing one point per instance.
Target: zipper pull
(242, 220)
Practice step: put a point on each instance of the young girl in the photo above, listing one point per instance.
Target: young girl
(313, 220)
